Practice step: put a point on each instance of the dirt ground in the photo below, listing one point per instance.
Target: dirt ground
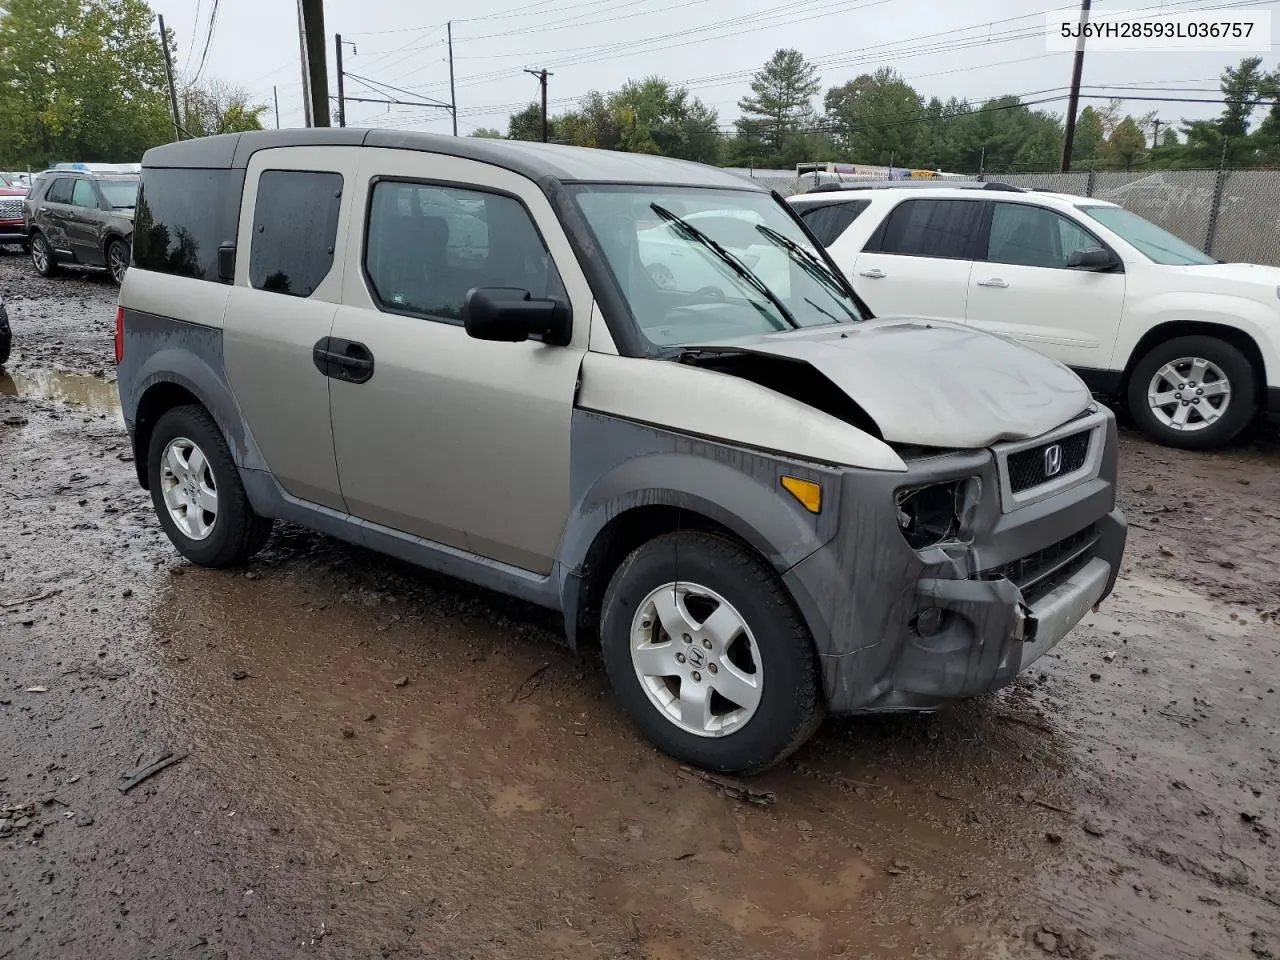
(378, 763)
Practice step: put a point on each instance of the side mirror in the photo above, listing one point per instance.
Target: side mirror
(511, 315)
(226, 261)
(1096, 259)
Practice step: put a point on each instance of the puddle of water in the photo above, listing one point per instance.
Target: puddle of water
(76, 389)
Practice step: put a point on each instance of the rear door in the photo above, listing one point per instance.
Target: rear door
(917, 261)
(51, 216)
(1021, 286)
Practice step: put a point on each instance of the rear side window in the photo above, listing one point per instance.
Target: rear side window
(427, 246)
(60, 191)
(930, 228)
(829, 220)
(183, 216)
(295, 227)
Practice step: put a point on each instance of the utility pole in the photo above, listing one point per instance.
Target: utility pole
(337, 51)
(168, 72)
(1069, 134)
(542, 79)
(315, 78)
(1157, 123)
(453, 96)
(275, 95)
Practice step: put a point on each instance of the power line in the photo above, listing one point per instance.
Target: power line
(208, 39)
(195, 28)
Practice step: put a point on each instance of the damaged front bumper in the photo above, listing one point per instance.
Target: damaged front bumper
(899, 628)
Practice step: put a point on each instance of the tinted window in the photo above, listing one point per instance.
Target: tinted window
(295, 226)
(60, 191)
(183, 216)
(427, 246)
(932, 228)
(82, 194)
(1034, 237)
(829, 220)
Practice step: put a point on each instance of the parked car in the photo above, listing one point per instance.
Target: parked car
(1192, 344)
(81, 219)
(6, 335)
(13, 231)
(763, 506)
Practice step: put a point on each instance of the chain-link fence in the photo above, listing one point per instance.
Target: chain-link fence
(1233, 215)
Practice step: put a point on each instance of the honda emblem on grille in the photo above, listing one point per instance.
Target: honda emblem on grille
(1053, 460)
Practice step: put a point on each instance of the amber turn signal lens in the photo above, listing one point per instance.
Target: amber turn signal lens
(806, 491)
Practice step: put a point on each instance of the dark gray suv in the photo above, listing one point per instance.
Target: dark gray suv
(79, 219)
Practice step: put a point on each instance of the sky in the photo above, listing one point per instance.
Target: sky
(943, 47)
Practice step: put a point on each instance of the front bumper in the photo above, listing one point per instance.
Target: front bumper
(13, 231)
(1019, 577)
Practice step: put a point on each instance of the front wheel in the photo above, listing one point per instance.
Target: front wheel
(197, 493)
(708, 655)
(1194, 392)
(117, 260)
(42, 256)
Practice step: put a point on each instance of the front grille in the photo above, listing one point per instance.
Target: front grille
(11, 208)
(1038, 573)
(1027, 468)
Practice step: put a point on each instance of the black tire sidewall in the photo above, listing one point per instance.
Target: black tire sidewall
(1233, 363)
(236, 524)
(790, 705)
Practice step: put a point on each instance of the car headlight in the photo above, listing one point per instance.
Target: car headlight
(937, 512)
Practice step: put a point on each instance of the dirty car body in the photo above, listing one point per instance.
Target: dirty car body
(925, 508)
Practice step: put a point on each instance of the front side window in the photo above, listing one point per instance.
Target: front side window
(931, 228)
(82, 194)
(60, 191)
(1031, 236)
(829, 220)
(427, 246)
(184, 215)
(295, 227)
(700, 265)
(1157, 245)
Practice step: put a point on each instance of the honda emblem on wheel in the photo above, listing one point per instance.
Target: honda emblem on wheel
(1053, 460)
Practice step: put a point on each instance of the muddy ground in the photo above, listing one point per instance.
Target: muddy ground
(378, 763)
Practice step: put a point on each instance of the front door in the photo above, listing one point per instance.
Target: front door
(1022, 288)
(84, 224)
(460, 441)
(289, 273)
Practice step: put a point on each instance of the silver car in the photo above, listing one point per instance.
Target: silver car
(763, 504)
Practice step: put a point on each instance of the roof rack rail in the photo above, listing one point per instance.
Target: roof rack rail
(917, 185)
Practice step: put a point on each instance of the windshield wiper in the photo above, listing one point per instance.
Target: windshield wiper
(737, 265)
(810, 264)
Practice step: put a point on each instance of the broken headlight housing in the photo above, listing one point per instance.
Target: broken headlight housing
(937, 512)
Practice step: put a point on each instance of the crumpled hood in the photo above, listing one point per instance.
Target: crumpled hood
(933, 383)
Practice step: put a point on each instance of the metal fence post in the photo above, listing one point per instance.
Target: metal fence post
(1219, 183)
(1088, 190)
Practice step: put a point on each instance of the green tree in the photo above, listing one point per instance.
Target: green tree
(217, 107)
(780, 104)
(1241, 87)
(82, 80)
(1086, 147)
(876, 119)
(1125, 143)
(527, 124)
(486, 133)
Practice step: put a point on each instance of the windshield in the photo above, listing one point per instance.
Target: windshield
(121, 194)
(700, 266)
(1156, 244)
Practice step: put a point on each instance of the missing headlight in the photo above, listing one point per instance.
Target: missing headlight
(936, 513)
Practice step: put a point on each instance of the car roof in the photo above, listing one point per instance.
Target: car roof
(987, 191)
(534, 160)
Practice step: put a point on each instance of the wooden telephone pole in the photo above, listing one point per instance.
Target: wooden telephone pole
(1069, 134)
(542, 79)
(315, 77)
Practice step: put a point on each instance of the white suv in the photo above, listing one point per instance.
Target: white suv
(1191, 343)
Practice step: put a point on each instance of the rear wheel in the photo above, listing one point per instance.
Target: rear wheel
(42, 256)
(1194, 392)
(708, 655)
(117, 260)
(197, 494)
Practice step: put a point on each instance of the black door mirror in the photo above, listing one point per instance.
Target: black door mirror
(511, 315)
(1096, 259)
(226, 261)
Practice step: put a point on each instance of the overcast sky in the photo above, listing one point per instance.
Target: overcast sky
(942, 47)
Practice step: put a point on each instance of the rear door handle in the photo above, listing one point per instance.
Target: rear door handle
(875, 273)
(344, 360)
(993, 282)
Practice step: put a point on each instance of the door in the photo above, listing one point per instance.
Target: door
(287, 288)
(51, 215)
(917, 261)
(84, 224)
(460, 441)
(1022, 287)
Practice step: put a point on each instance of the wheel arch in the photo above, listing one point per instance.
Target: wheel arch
(1172, 329)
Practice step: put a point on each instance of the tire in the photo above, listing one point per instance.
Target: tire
(782, 666)
(225, 537)
(117, 259)
(42, 256)
(1204, 362)
(6, 344)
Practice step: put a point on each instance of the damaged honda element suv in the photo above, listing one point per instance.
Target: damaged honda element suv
(627, 388)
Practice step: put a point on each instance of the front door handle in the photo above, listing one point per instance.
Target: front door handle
(875, 273)
(994, 282)
(344, 360)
